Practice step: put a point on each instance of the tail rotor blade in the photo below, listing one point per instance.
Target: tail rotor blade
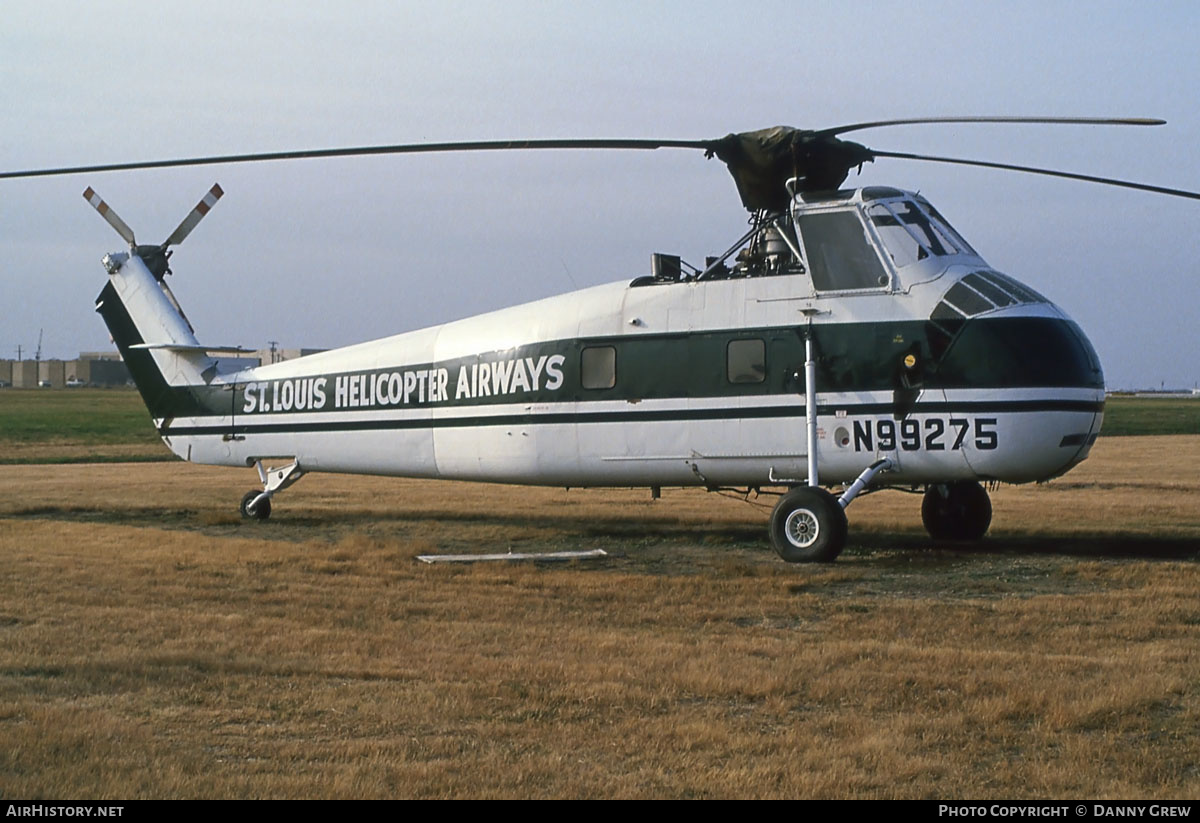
(195, 216)
(108, 214)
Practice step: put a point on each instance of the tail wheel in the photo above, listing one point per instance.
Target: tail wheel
(808, 525)
(956, 511)
(261, 512)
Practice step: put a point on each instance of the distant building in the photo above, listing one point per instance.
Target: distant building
(101, 372)
(106, 368)
(52, 373)
(89, 369)
(24, 374)
(100, 368)
(277, 355)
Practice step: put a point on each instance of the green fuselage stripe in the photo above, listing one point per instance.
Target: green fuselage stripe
(639, 416)
(902, 357)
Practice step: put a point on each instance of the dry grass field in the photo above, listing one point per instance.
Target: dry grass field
(152, 644)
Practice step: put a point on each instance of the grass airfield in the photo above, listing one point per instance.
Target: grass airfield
(153, 644)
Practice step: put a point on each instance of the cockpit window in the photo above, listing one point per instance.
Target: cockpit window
(840, 255)
(912, 232)
(976, 293)
(979, 292)
(926, 231)
(943, 227)
(1018, 290)
(903, 247)
(990, 290)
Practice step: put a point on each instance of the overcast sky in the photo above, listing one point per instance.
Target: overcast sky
(328, 252)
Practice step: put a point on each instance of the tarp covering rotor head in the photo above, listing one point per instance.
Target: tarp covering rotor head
(762, 162)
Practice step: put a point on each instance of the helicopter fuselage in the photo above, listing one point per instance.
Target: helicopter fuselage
(924, 355)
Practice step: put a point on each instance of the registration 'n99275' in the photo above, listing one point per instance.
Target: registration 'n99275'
(929, 434)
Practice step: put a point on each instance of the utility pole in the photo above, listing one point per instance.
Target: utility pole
(274, 350)
(18, 351)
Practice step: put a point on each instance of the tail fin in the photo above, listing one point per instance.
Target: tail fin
(158, 346)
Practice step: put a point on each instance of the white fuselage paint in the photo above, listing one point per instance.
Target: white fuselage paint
(1026, 445)
(408, 406)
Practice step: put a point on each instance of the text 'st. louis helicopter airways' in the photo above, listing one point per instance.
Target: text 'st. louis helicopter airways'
(850, 338)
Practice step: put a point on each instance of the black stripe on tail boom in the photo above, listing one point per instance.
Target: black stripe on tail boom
(157, 394)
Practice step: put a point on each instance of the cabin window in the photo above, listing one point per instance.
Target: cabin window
(840, 255)
(598, 367)
(746, 361)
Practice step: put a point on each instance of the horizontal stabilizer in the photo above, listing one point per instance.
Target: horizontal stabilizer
(179, 347)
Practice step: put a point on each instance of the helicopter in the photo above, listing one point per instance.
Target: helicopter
(851, 339)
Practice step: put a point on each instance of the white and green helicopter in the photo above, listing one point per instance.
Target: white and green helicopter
(850, 339)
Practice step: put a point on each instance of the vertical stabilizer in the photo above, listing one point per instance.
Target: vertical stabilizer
(158, 346)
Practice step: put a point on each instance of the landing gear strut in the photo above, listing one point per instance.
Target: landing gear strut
(956, 511)
(808, 524)
(256, 505)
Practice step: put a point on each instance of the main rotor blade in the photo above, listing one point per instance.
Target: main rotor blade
(195, 216)
(108, 214)
(1078, 121)
(1108, 181)
(358, 151)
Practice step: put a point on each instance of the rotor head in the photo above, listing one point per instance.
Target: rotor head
(155, 257)
(763, 161)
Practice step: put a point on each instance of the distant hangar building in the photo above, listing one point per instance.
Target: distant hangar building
(106, 369)
(89, 369)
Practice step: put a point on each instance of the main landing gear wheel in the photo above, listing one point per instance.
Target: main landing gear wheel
(808, 525)
(956, 511)
(261, 512)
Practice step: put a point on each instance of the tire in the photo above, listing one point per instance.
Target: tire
(956, 511)
(808, 525)
(261, 512)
